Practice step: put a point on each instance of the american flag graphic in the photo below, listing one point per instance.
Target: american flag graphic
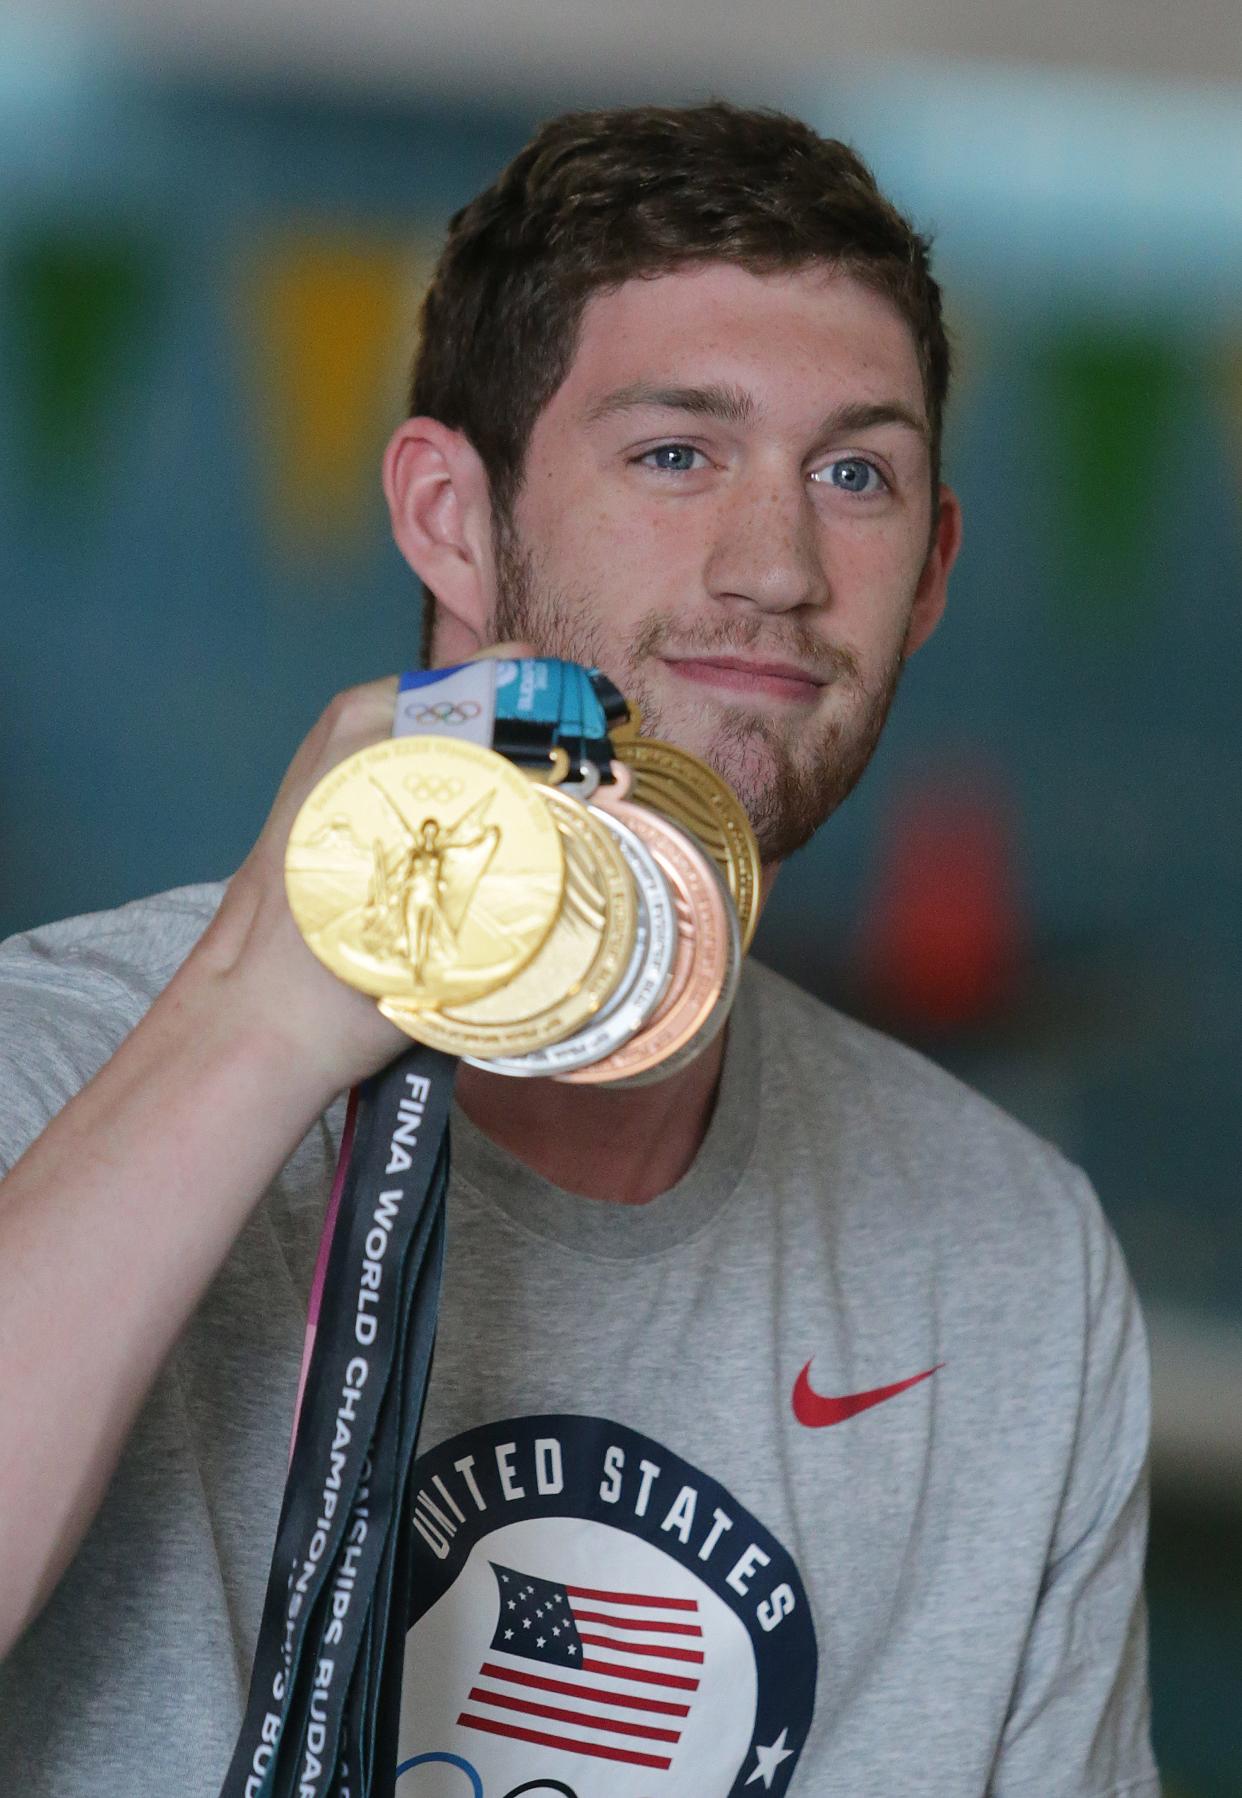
(607, 1674)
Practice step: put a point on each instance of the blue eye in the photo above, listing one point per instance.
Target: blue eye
(853, 474)
(671, 458)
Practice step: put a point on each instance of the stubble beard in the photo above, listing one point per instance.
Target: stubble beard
(788, 790)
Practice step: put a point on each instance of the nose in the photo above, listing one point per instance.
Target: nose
(765, 553)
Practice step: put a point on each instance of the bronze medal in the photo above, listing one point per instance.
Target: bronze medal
(704, 950)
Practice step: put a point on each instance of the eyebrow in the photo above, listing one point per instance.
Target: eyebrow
(729, 404)
(863, 415)
(732, 405)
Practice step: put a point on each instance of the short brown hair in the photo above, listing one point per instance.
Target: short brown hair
(599, 198)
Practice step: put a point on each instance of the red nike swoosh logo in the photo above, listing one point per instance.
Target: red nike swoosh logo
(814, 1410)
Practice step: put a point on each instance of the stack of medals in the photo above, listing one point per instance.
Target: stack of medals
(523, 882)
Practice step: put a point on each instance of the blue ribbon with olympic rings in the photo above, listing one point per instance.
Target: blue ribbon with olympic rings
(524, 707)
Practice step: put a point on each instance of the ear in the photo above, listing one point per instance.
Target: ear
(933, 588)
(440, 504)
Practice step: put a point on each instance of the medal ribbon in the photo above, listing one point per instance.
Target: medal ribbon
(525, 708)
(324, 1702)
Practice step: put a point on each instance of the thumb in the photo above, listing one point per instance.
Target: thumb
(506, 651)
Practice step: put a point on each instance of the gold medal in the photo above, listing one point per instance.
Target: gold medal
(685, 789)
(571, 976)
(425, 869)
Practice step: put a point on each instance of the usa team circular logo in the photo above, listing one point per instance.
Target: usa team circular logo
(596, 1618)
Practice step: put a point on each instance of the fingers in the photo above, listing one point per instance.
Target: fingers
(351, 721)
(363, 713)
(506, 651)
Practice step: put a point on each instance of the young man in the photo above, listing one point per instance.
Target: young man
(813, 1385)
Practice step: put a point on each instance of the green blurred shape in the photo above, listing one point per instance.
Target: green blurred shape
(84, 303)
(1111, 398)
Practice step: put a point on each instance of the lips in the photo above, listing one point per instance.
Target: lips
(777, 680)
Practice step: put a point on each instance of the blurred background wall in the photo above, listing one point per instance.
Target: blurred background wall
(214, 223)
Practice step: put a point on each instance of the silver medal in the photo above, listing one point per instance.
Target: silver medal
(639, 990)
(713, 1024)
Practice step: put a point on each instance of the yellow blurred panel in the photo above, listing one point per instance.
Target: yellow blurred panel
(331, 321)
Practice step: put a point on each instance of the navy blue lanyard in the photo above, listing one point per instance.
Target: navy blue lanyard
(324, 1702)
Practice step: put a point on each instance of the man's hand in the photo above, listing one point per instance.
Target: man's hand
(253, 953)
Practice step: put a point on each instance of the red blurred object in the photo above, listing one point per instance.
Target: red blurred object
(943, 944)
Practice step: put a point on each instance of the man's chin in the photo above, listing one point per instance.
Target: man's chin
(785, 803)
(789, 779)
(784, 806)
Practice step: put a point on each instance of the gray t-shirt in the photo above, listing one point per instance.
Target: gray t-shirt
(821, 1473)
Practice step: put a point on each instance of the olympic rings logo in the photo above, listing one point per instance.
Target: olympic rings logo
(448, 711)
(437, 791)
(440, 1758)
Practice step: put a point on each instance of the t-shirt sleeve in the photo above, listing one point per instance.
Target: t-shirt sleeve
(55, 1034)
(71, 992)
(1079, 1722)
